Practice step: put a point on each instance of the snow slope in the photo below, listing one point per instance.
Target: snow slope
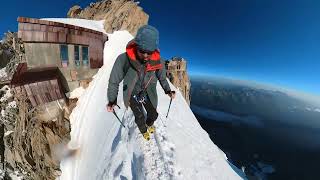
(180, 148)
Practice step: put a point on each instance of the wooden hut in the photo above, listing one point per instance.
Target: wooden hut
(41, 85)
(76, 51)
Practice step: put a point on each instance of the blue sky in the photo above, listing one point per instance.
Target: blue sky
(267, 41)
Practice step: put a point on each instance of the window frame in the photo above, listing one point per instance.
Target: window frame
(85, 62)
(64, 53)
(77, 60)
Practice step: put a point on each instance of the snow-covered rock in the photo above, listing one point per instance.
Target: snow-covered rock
(76, 93)
(180, 148)
(8, 133)
(3, 73)
(7, 93)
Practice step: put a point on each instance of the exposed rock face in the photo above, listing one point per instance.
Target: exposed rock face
(178, 76)
(118, 14)
(29, 135)
(11, 52)
(74, 11)
(30, 138)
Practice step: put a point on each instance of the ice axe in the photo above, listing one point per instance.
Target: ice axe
(118, 117)
(169, 107)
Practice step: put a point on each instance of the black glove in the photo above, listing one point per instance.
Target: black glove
(170, 92)
(112, 103)
(110, 106)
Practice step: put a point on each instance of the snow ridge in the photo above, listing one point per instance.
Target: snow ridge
(179, 149)
(160, 154)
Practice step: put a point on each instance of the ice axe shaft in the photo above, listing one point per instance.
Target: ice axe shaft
(169, 107)
(118, 117)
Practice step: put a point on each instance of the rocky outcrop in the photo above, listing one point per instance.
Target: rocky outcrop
(74, 12)
(30, 136)
(11, 52)
(178, 76)
(118, 14)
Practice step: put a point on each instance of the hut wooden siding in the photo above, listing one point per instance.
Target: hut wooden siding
(40, 85)
(36, 30)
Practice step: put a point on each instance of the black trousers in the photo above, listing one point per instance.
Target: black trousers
(137, 109)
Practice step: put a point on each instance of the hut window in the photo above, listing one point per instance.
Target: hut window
(76, 56)
(85, 57)
(64, 55)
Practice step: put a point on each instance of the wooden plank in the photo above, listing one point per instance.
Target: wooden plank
(51, 90)
(27, 27)
(55, 86)
(32, 20)
(62, 29)
(58, 90)
(30, 95)
(38, 36)
(55, 29)
(20, 34)
(43, 28)
(20, 26)
(45, 37)
(20, 19)
(47, 90)
(36, 93)
(50, 28)
(52, 37)
(41, 91)
(36, 27)
(27, 36)
(62, 37)
(72, 31)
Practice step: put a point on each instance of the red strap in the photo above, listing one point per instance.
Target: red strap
(153, 68)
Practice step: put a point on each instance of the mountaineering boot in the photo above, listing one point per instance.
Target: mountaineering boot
(151, 129)
(146, 136)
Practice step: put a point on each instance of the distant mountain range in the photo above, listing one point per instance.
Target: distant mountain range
(254, 124)
(243, 99)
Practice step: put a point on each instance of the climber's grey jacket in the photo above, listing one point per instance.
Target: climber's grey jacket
(127, 67)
